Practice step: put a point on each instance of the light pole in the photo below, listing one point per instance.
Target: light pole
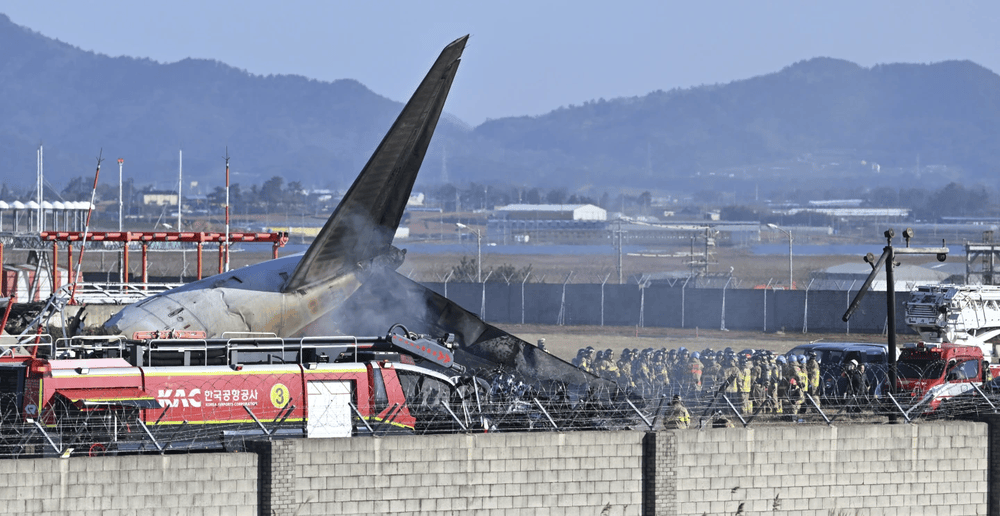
(789, 233)
(479, 251)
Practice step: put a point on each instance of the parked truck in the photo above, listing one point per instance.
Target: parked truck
(956, 324)
(937, 372)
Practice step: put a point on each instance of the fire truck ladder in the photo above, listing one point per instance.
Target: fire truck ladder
(961, 314)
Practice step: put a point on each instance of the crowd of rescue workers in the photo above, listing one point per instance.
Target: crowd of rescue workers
(749, 379)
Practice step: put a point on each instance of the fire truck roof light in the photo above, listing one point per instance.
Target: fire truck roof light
(41, 367)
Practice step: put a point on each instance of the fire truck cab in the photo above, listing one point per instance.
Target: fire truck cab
(936, 372)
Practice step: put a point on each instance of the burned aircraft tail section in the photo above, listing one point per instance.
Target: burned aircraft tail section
(362, 227)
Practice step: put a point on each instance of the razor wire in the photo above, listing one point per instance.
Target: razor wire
(474, 404)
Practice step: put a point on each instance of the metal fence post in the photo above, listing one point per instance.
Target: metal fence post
(561, 319)
(723, 326)
(522, 295)
(482, 309)
(805, 310)
(683, 300)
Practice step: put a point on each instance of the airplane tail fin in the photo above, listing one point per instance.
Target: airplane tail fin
(363, 225)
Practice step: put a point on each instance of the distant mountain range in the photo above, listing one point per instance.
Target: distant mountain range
(817, 123)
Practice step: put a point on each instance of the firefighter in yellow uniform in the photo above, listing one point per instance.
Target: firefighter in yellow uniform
(778, 383)
(625, 370)
(679, 417)
(745, 383)
(796, 397)
(733, 377)
(661, 368)
(606, 368)
(799, 374)
(812, 371)
(761, 378)
(711, 378)
(585, 359)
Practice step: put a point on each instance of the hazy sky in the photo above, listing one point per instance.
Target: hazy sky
(524, 57)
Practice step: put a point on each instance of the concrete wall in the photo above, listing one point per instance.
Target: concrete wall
(538, 473)
(674, 307)
(931, 468)
(928, 468)
(197, 484)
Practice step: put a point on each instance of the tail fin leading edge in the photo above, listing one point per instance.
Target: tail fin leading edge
(363, 225)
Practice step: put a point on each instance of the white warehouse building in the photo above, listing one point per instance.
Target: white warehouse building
(552, 212)
(564, 223)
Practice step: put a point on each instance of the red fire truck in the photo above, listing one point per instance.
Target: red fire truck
(936, 372)
(160, 393)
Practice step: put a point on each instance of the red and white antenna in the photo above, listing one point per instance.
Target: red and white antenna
(121, 203)
(227, 210)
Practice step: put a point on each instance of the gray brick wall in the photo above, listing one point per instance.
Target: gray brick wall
(196, 484)
(930, 468)
(531, 473)
(659, 483)
(927, 468)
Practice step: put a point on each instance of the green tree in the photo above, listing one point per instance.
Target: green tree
(955, 200)
(744, 213)
(78, 189)
(534, 196)
(508, 273)
(272, 192)
(465, 270)
(557, 196)
(295, 195)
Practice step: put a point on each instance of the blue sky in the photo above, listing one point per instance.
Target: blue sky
(524, 57)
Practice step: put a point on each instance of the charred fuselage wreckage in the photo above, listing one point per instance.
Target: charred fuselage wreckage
(346, 283)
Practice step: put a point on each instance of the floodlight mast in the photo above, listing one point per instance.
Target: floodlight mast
(888, 258)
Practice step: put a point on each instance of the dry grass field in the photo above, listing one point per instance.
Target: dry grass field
(564, 341)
